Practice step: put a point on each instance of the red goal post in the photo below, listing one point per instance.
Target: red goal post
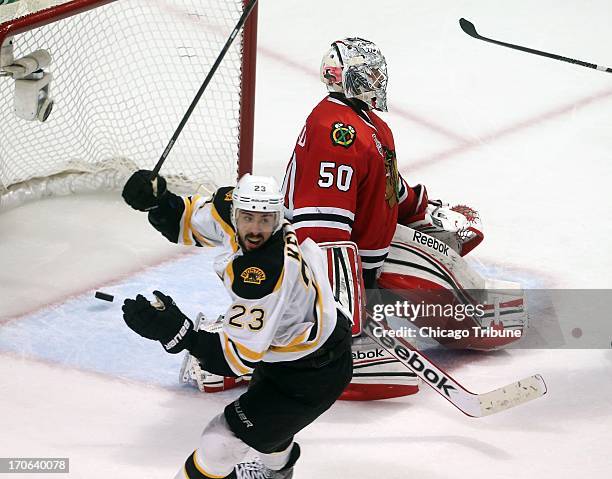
(123, 74)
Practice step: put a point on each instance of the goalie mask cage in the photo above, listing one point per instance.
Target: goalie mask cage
(123, 75)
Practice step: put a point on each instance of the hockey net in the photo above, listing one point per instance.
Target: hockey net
(124, 73)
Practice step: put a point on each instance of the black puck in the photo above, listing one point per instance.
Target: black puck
(104, 296)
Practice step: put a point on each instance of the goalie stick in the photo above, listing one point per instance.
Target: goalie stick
(471, 404)
(243, 18)
(469, 28)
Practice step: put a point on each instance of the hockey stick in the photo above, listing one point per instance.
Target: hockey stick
(196, 99)
(469, 28)
(471, 404)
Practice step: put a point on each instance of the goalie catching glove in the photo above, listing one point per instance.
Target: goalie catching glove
(459, 227)
(160, 321)
(141, 193)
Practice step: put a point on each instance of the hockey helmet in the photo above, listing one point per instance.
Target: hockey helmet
(260, 194)
(356, 68)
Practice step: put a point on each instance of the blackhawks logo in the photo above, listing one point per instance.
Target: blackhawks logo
(253, 275)
(392, 183)
(343, 135)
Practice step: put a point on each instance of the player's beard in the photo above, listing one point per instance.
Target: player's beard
(253, 241)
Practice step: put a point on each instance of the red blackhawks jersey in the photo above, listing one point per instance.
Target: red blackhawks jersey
(343, 184)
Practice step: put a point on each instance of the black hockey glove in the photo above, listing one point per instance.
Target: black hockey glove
(162, 322)
(139, 191)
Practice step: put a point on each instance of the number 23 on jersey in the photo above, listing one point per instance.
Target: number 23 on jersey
(241, 317)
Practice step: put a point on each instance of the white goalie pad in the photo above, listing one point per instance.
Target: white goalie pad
(421, 268)
(346, 278)
(415, 253)
(377, 374)
(375, 365)
(192, 372)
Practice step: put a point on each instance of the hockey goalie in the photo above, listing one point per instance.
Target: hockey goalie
(342, 184)
(383, 238)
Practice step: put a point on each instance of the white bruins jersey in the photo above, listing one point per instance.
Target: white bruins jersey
(282, 303)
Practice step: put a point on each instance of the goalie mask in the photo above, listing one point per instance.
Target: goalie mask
(257, 209)
(356, 68)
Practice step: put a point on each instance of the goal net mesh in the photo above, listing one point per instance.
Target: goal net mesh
(124, 75)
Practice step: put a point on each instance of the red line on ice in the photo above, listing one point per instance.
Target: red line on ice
(397, 110)
(505, 131)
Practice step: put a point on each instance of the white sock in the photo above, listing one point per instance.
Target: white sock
(276, 460)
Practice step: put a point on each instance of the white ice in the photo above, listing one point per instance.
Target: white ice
(524, 139)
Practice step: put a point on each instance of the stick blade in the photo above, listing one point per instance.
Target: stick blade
(512, 395)
(468, 27)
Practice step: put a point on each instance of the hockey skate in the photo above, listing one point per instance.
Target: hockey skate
(257, 470)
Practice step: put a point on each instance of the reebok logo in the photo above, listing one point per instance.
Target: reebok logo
(433, 243)
(412, 359)
(377, 353)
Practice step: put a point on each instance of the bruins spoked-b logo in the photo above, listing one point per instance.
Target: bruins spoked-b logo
(343, 135)
(253, 275)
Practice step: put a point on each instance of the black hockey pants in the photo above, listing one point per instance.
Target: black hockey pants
(283, 398)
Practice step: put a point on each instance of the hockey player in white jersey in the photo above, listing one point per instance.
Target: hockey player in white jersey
(282, 324)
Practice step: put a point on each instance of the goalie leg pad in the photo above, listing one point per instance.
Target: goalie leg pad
(346, 278)
(377, 374)
(207, 382)
(192, 372)
(419, 269)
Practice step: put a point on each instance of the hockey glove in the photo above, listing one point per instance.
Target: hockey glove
(459, 227)
(141, 193)
(161, 321)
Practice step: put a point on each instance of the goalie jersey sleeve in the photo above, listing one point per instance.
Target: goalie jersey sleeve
(342, 182)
